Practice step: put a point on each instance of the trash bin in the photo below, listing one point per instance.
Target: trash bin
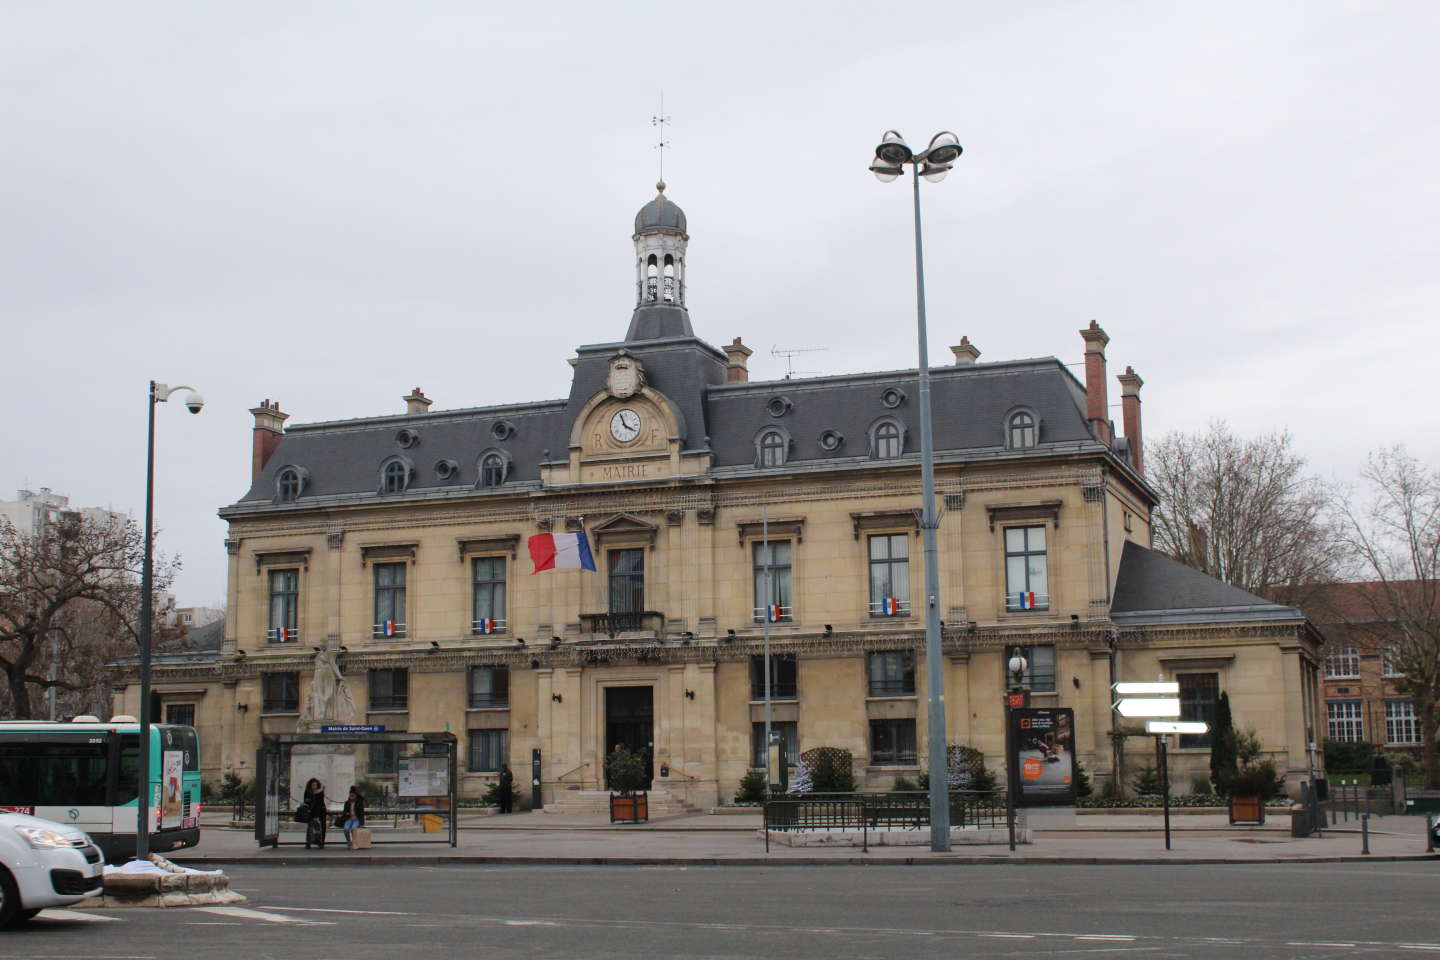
(1300, 825)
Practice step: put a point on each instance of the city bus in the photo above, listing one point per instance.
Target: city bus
(85, 773)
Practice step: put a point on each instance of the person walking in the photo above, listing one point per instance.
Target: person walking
(507, 788)
(315, 801)
(353, 815)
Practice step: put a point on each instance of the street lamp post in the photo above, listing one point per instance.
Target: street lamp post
(1017, 665)
(933, 163)
(159, 393)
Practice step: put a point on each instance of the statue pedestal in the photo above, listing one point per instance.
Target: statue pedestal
(333, 766)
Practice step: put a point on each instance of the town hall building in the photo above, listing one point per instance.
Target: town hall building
(719, 510)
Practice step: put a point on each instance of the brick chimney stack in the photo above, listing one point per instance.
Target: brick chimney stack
(737, 371)
(417, 402)
(1097, 402)
(965, 352)
(1130, 384)
(269, 431)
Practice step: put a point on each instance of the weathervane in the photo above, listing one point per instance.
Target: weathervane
(659, 120)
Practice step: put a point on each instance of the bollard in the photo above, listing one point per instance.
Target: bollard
(1365, 834)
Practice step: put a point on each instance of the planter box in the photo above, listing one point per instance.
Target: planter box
(631, 809)
(1247, 810)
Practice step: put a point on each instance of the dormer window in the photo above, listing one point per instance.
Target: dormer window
(1021, 431)
(889, 440)
(492, 470)
(771, 449)
(288, 485)
(394, 477)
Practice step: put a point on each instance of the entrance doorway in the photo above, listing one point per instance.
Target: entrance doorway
(630, 722)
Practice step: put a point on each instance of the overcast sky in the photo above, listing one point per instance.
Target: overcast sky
(329, 203)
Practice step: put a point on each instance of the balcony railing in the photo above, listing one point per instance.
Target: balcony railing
(1016, 602)
(782, 614)
(389, 630)
(613, 624)
(282, 635)
(890, 607)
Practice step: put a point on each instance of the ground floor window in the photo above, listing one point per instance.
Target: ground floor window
(281, 692)
(182, 714)
(892, 742)
(1199, 697)
(1401, 724)
(1345, 721)
(787, 729)
(488, 749)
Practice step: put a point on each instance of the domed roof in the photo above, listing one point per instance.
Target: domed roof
(660, 214)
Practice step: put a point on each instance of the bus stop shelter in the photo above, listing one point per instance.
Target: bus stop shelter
(408, 780)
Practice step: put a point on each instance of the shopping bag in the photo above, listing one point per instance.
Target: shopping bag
(302, 813)
(360, 839)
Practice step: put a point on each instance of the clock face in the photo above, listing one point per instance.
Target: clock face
(625, 425)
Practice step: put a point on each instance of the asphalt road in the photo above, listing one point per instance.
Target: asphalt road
(408, 912)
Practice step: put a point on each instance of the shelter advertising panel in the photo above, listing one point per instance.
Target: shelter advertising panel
(1042, 761)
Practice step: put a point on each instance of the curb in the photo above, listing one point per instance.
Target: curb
(993, 860)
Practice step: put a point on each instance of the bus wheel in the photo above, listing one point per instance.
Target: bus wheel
(9, 898)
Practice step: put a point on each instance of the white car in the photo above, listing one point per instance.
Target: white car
(44, 864)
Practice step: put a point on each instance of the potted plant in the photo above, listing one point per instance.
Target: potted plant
(625, 771)
(1254, 781)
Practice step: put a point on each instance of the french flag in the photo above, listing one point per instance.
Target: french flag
(1027, 601)
(890, 606)
(283, 634)
(388, 628)
(486, 624)
(772, 611)
(561, 551)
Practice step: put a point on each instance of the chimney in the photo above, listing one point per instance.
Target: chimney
(417, 402)
(737, 371)
(1097, 404)
(965, 352)
(1130, 384)
(269, 431)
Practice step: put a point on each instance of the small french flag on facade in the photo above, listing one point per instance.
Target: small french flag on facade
(486, 625)
(561, 551)
(890, 606)
(388, 628)
(772, 612)
(282, 634)
(1027, 601)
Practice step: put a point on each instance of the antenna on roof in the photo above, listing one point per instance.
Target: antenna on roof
(790, 356)
(659, 120)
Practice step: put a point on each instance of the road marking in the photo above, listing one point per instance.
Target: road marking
(53, 914)
(246, 914)
(1009, 936)
(1418, 946)
(1103, 936)
(1315, 943)
(531, 923)
(373, 913)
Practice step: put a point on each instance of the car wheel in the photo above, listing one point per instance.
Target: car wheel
(9, 898)
(24, 915)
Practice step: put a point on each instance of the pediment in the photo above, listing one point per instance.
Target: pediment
(625, 527)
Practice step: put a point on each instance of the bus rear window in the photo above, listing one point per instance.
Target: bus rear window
(53, 774)
(182, 738)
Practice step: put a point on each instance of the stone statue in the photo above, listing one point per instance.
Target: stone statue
(329, 700)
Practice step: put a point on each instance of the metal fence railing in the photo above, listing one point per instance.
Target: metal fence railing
(864, 812)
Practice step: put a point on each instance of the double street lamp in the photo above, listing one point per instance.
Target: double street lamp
(892, 155)
(159, 393)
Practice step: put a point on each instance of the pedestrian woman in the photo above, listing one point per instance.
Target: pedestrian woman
(507, 788)
(315, 801)
(354, 813)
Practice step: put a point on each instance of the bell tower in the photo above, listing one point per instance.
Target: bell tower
(660, 242)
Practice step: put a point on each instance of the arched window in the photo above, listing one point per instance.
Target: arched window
(889, 441)
(669, 278)
(492, 470)
(287, 485)
(1021, 432)
(772, 449)
(395, 477)
(652, 272)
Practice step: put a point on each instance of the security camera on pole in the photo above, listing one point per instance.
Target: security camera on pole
(1159, 703)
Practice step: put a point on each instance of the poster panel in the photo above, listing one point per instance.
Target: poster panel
(424, 777)
(172, 800)
(1042, 761)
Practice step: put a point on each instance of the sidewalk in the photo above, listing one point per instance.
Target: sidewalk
(735, 839)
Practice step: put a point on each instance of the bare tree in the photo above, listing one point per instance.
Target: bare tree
(1243, 511)
(1394, 536)
(76, 581)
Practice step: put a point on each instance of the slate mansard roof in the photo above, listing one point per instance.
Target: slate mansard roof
(344, 459)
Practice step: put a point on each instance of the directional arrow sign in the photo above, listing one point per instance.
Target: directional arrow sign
(1176, 726)
(1148, 706)
(1158, 688)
